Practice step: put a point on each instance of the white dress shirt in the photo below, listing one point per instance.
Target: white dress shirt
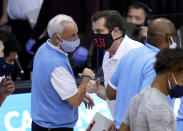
(18, 9)
(62, 81)
(110, 64)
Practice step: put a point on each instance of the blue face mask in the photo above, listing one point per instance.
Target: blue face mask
(69, 46)
(5, 68)
(177, 90)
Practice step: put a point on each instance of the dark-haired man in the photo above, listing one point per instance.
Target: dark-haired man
(138, 15)
(109, 35)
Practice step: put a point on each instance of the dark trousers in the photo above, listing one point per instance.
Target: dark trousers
(35, 127)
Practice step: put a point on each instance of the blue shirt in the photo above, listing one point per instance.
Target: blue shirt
(47, 108)
(180, 111)
(134, 72)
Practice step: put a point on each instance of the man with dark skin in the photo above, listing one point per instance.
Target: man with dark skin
(136, 73)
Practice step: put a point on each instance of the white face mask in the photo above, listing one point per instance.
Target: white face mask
(173, 45)
(69, 46)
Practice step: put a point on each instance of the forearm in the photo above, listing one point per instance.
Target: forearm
(5, 4)
(78, 98)
(82, 89)
(101, 92)
(2, 98)
(110, 93)
(124, 127)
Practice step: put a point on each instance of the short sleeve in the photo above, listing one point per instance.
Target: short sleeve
(114, 79)
(149, 75)
(161, 120)
(63, 83)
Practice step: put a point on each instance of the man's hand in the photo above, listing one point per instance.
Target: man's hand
(89, 73)
(93, 86)
(80, 56)
(142, 33)
(88, 101)
(6, 87)
(29, 45)
(4, 19)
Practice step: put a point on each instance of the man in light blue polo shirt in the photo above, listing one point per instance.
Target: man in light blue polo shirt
(135, 70)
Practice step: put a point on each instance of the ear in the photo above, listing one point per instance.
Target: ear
(169, 39)
(116, 30)
(56, 38)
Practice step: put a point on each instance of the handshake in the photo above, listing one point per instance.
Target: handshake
(87, 73)
(93, 85)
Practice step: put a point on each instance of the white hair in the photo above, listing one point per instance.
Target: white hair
(55, 25)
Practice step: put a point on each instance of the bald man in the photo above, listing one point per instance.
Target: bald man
(135, 70)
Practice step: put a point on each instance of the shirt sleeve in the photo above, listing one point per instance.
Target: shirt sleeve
(63, 83)
(161, 120)
(148, 75)
(114, 79)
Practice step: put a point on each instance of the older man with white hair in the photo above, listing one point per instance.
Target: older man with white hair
(55, 95)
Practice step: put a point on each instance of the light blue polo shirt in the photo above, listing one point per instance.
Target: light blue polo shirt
(180, 117)
(134, 72)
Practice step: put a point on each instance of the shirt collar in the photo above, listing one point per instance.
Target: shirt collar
(159, 92)
(117, 55)
(152, 47)
(56, 48)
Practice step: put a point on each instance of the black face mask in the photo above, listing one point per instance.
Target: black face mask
(104, 41)
(177, 90)
(137, 29)
(5, 68)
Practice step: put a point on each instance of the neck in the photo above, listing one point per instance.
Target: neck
(159, 45)
(115, 46)
(161, 83)
(55, 44)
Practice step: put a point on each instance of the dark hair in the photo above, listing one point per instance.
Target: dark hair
(169, 60)
(112, 17)
(11, 44)
(140, 5)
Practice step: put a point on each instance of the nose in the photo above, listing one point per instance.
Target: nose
(12, 62)
(133, 20)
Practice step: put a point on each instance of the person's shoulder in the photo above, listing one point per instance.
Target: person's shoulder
(154, 101)
(133, 42)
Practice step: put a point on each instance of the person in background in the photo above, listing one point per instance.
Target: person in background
(135, 70)
(150, 110)
(15, 14)
(58, 109)
(8, 51)
(138, 14)
(109, 35)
